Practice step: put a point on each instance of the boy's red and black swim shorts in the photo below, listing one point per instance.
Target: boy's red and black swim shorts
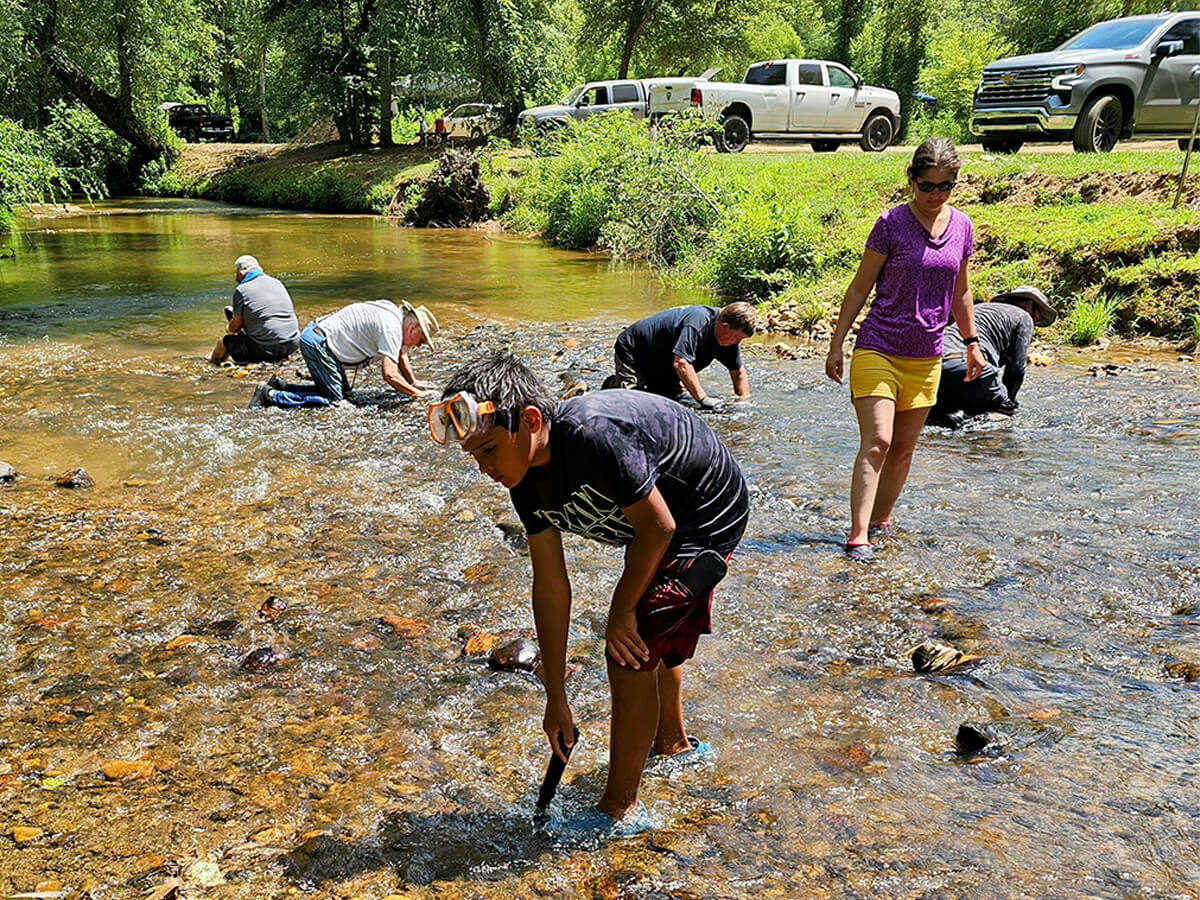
(671, 617)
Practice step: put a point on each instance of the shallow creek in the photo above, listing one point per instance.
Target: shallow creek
(1061, 548)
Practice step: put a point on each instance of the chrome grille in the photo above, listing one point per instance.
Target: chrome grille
(1015, 86)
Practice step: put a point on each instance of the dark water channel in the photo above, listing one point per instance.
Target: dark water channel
(1062, 548)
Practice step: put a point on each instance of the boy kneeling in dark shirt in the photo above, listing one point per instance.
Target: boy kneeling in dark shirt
(625, 468)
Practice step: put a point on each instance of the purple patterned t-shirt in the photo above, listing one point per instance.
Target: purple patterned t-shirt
(916, 284)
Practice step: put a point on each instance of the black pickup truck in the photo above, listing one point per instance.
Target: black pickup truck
(194, 121)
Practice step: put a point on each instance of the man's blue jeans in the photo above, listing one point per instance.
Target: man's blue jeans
(329, 376)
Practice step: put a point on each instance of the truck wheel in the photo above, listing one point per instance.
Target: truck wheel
(877, 133)
(1183, 144)
(1001, 145)
(734, 134)
(1099, 125)
(192, 136)
(825, 146)
(476, 135)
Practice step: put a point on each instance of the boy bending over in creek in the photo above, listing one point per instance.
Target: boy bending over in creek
(625, 468)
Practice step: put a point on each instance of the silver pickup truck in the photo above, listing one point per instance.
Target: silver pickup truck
(1124, 78)
(644, 98)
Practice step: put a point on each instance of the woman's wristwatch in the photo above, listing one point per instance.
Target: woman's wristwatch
(971, 340)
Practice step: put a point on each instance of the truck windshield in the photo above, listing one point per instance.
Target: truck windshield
(1123, 34)
(570, 99)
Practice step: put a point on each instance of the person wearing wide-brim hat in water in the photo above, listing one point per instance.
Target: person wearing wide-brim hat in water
(1005, 331)
(353, 336)
(915, 261)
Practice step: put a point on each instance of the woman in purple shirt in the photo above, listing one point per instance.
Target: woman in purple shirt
(916, 261)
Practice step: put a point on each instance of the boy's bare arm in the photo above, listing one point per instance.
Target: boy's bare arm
(653, 528)
(551, 616)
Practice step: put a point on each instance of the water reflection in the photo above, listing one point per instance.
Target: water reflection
(1059, 547)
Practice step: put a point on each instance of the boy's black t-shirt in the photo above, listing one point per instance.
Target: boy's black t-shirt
(609, 449)
(651, 345)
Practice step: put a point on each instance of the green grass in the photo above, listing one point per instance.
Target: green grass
(1090, 319)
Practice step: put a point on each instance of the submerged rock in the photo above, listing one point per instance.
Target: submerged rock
(404, 626)
(934, 656)
(75, 478)
(521, 655)
(7, 473)
(223, 628)
(973, 738)
(272, 608)
(1187, 671)
(261, 659)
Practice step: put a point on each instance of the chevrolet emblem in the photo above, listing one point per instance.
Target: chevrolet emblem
(1007, 78)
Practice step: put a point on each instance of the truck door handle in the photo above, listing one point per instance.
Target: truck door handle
(833, 97)
(800, 93)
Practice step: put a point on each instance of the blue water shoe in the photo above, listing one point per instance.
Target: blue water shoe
(702, 752)
(591, 823)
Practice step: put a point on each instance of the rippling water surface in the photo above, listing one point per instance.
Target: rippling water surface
(1061, 548)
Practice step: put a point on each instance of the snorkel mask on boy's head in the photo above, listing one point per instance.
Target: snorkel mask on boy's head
(458, 417)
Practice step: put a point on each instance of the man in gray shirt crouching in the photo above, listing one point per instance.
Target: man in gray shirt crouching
(262, 321)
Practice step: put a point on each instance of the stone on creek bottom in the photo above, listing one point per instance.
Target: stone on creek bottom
(75, 478)
(261, 659)
(521, 654)
(7, 473)
(272, 608)
(1187, 671)
(973, 738)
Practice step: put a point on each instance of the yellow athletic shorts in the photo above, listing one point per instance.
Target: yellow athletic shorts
(912, 383)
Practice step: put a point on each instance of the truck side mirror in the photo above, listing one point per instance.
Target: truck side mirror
(1168, 48)
(859, 81)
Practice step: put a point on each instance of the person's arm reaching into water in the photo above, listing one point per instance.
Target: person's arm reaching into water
(741, 382)
(653, 528)
(689, 379)
(393, 375)
(1016, 357)
(962, 307)
(551, 616)
(856, 296)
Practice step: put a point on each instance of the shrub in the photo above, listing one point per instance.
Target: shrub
(611, 184)
(28, 174)
(758, 248)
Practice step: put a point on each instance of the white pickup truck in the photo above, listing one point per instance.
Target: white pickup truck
(799, 99)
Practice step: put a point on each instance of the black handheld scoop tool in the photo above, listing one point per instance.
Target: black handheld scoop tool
(554, 774)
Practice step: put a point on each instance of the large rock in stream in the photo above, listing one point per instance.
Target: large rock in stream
(7, 473)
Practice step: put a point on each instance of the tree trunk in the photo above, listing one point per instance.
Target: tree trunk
(639, 17)
(115, 112)
(385, 79)
(262, 87)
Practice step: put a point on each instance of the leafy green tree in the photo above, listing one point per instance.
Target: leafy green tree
(959, 47)
(121, 57)
(891, 47)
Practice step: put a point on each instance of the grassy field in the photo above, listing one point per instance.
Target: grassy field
(1096, 232)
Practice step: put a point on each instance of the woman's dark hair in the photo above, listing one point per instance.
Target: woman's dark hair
(934, 153)
(503, 379)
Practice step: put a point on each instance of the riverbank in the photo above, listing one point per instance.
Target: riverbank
(1096, 233)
